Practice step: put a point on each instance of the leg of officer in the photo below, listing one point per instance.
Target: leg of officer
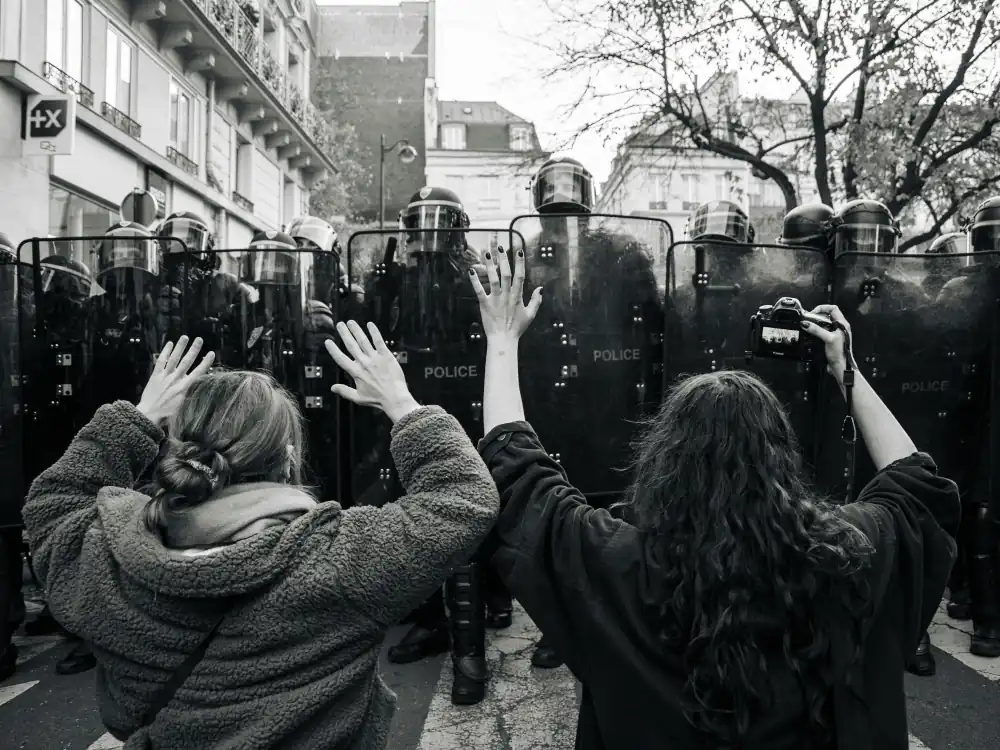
(11, 598)
(427, 637)
(467, 622)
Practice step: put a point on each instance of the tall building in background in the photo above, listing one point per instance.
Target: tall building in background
(200, 101)
(487, 155)
(379, 61)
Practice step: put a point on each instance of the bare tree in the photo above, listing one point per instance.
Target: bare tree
(896, 100)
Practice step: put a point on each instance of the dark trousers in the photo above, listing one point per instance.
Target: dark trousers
(11, 596)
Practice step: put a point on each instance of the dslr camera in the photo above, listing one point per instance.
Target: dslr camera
(776, 331)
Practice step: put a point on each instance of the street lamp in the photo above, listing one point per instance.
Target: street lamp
(406, 154)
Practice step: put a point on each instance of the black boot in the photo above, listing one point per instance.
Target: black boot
(985, 607)
(80, 659)
(958, 604)
(467, 620)
(44, 624)
(428, 636)
(545, 656)
(499, 605)
(922, 663)
(8, 662)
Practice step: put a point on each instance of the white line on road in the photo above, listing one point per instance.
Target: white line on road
(107, 742)
(916, 744)
(30, 647)
(952, 637)
(10, 692)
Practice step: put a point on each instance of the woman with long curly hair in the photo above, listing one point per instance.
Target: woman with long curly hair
(723, 603)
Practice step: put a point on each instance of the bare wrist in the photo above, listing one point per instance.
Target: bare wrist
(399, 409)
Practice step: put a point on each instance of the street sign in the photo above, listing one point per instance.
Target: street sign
(49, 125)
(139, 206)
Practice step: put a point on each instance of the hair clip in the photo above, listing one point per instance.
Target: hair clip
(203, 469)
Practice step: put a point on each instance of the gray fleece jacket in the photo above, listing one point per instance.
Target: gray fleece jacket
(296, 663)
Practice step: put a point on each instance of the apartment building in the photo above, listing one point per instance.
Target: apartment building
(200, 101)
(378, 65)
(486, 154)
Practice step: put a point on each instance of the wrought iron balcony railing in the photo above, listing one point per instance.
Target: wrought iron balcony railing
(121, 121)
(67, 83)
(245, 203)
(240, 22)
(178, 159)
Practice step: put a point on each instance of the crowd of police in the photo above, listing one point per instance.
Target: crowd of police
(627, 310)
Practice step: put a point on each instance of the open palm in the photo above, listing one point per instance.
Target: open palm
(503, 310)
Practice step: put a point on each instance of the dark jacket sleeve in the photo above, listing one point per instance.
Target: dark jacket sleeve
(910, 514)
(552, 548)
(112, 450)
(390, 558)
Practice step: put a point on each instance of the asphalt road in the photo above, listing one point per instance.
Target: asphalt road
(526, 708)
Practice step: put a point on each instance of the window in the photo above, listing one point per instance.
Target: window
(118, 80)
(244, 167)
(64, 36)
(690, 188)
(180, 119)
(661, 188)
(489, 192)
(721, 187)
(73, 216)
(453, 136)
(520, 138)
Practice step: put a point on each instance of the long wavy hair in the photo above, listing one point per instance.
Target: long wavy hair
(758, 566)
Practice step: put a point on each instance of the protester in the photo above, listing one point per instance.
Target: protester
(297, 594)
(733, 608)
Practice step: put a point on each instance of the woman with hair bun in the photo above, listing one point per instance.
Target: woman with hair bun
(228, 608)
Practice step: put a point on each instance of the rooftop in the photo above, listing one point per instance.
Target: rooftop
(479, 113)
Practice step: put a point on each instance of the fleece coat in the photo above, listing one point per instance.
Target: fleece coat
(294, 664)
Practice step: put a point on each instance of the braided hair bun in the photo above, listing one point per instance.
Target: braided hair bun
(190, 473)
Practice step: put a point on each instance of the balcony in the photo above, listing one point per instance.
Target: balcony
(121, 121)
(243, 202)
(67, 84)
(179, 160)
(227, 38)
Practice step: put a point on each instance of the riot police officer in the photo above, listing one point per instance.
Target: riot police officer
(944, 265)
(424, 299)
(563, 185)
(808, 225)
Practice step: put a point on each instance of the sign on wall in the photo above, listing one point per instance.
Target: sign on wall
(49, 125)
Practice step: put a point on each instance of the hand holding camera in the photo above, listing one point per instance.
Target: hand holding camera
(834, 339)
(776, 331)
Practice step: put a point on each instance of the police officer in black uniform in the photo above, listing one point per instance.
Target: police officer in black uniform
(944, 265)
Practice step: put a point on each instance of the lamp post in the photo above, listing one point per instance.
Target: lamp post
(407, 155)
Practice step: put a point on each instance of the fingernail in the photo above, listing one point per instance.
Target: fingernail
(500, 249)
(488, 256)
(520, 253)
(472, 272)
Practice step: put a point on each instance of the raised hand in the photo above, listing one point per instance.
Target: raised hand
(170, 380)
(504, 313)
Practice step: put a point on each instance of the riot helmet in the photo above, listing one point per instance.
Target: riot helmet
(563, 186)
(720, 220)
(864, 226)
(314, 233)
(190, 229)
(273, 259)
(434, 208)
(127, 244)
(67, 278)
(984, 229)
(7, 247)
(953, 243)
(809, 225)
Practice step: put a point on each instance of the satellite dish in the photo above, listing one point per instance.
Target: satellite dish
(139, 206)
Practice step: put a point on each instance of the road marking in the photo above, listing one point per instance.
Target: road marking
(524, 706)
(952, 637)
(107, 742)
(10, 692)
(31, 647)
(916, 744)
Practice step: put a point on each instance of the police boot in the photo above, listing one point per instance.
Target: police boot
(545, 656)
(922, 662)
(959, 599)
(428, 636)
(985, 608)
(959, 602)
(499, 604)
(467, 620)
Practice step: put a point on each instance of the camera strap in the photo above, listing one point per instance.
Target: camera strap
(850, 430)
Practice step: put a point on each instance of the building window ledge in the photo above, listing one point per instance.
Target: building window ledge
(121, 121)
(68, 84)
(245, 203)
(179, 160)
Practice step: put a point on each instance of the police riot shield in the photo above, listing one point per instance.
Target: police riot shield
(416, 289)
(592, 361)
(270, 311)
(713, 290)
(924, 331)
(11, 408)
(99, 322)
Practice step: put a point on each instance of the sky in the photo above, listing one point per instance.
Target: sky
(484, 53)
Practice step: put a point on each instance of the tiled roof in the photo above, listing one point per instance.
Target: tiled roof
(373, 31)
(486, 113)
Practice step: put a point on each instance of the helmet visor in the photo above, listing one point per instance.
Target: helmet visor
(312, 232)
(66, 281)
(725, 223)
(864, 238)
(563, 183)
(985, 237)
(128, 252)
(271, 266)
(433, 217)
(193, 234)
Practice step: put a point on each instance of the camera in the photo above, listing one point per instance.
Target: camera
(776, 331)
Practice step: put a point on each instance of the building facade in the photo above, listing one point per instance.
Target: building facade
(200, 101)
(487, 155)
(378, 68)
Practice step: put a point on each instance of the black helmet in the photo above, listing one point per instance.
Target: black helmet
(563, 186)
(720, 220)
(864, 226)
(67, 277)
(809, 225)
(274, 259)
(434, 208)
(953, 243)
(127, 244)
(984, 229)
(188, 227)
(314, 233)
